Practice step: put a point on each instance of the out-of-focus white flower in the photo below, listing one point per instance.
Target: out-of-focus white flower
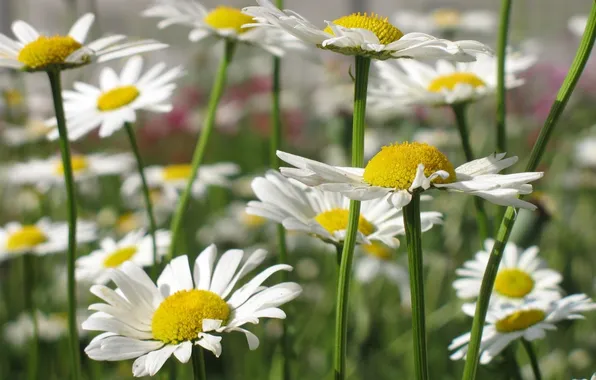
(577, 24)
(235, 226)
(51, 327)
(32, 131)
(446, 20)
(585, 152)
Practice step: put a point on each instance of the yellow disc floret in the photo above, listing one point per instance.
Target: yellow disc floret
(251, 220)
(78, 164)
(513, 283)
(180, 317)
(448, 82)
(378, 250)
(380, 26)
(337, 219)
(176, 172)
(395, 165)
(27, 237)
(223, 17)
(45, 51)
(116, 258)
(117, 98)
(520, 320)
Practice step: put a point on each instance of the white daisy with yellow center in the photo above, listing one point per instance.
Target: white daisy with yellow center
(42, 238)
(402, 168)
(408, 82)
(136, 247)
(151, 322)
(324, 214)
(222, 22)
(447, 20)
(235, 226)
(368, 35)
(522, 275)
(33, 51)
(117, 99)
(44, 173)
(32, 131)
(508, 322)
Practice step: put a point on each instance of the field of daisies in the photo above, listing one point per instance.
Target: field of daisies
(234, 193)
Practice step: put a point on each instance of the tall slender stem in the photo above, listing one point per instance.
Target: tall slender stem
(345, 267)
(411, 214)
(577, 67)
(146, 195)
(28, 287)
(198, 363)
(533, 359)
(462, 125)
(73, 334)
(513, 370)
(199, 153)
(501, 52)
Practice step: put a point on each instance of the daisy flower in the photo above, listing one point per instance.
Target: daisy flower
(506, 322)
(235, 226)
(324, 214)
(522, 274)
(136, 247)
(151, 322)
(363, 35)
(46, 172)
(577, 24)
(50, 328)
(42, 238)
(32, 131)
(117, 99)
(222, 22)
(445, 20)
(402, 168)
(415, 83)
(173, 178)
(33, 51)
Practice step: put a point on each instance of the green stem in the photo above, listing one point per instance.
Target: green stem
(533, 359)
(146, 194)
(501, 52)
(462, 125)
(577, 67)
(411, 214)
(56, 86)
(28, 287)
(345, 268)
(338, 250)
(199, 153)
(198, 363)
(513, 370)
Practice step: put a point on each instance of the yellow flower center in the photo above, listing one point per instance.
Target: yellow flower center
(395, 165)
(12, 97)
(117, 97)
(127, 222)
(380, 26)
(45, 51)
(176, 172)
(446, 18)
(27, 237)
(116, 258)
(520, 320)
(180, 317)
(156, 194)
(223, 17)
(448, 82)
(337, 219)
(252, 220)
(513, 283)
(78, 164)
(378, 250)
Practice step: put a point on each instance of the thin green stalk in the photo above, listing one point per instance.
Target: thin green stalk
(199, 153)
(345, 267)
(73, 334)
(198, 363)
(462, 125)
(412, 224)
(146, 194)
(513, 370)
(533, 359)
(28, 287)
(577, 67)
(501, 51)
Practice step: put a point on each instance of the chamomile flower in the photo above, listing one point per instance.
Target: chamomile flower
(151, 322)
(325, 214)
(445, 20)
(402, 168)
(42, 238)
(50, 328)
(363, 35)
(136, 246)
(416, 83)
(507, 322)
(222, 22)
(522, 275)
(234, 226)
(173, 178)
(47, 172)
(33, 51)
(577, 25)
(31, 131)
(117, 99)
